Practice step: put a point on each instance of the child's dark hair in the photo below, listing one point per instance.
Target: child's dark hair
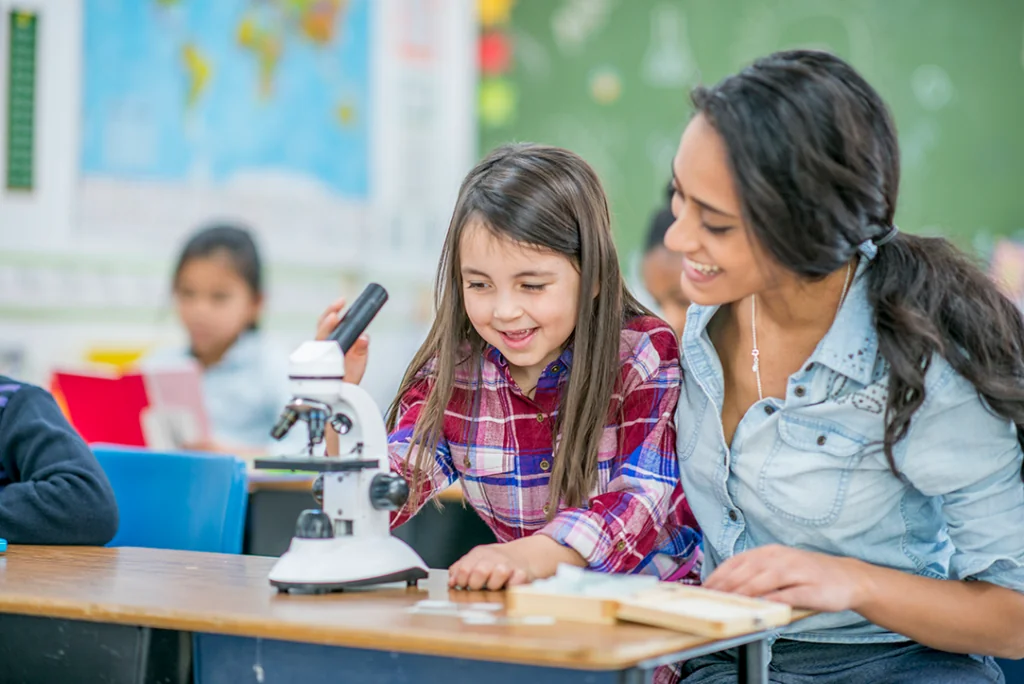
(550, 199)
(233, 241)
(661, 220)
(814, 155)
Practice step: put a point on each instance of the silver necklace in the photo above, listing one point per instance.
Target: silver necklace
(756, 353)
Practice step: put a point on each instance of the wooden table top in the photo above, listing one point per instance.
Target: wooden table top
(228, 594)
(274, 481)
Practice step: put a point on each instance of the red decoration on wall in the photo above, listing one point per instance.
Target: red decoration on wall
(495, 53)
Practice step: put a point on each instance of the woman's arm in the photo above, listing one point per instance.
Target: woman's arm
(949, 615)
(958, 452)
(624, 522)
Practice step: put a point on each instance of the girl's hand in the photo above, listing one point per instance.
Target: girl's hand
(495, 566)
(803, 579)
(355, 359)
(491, 566)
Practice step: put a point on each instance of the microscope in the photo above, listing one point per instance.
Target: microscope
(346, 543)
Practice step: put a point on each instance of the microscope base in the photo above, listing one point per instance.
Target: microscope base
(324, 565)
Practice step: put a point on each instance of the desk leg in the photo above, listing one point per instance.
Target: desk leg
(753, 663)
(638, 676)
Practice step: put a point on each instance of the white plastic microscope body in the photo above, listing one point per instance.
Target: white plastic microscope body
(362, 550)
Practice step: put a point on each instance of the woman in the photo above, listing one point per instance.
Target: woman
(849, 432)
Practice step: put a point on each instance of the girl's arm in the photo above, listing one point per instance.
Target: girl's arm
(968, 459)
(440, 472)
(623, 524)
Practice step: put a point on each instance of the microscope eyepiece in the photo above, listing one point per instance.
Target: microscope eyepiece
(358, 316)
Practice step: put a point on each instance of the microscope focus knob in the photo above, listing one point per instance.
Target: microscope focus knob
(314, 524)
(318, 490)
(388, 492)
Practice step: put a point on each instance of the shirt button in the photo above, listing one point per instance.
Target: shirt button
(808, 367)
(620, 546)
(733, 515)
(547, 507)
(799, 391)
(466, 462)
(769, 410)
(545, 465)
(556, 368)
(821, 440)
(540, 417)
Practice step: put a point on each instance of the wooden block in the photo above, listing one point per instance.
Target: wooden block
(678, 607)
(702, 611)
(593, 609)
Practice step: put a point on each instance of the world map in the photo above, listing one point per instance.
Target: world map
(216, 92)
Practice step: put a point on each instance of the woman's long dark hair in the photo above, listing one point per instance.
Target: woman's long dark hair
(814, 154)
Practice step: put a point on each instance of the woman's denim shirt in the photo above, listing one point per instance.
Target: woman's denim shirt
(808, 471)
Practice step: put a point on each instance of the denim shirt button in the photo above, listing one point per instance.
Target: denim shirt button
(821, 440)
(733, 515)
(799, 391)
(769, 410)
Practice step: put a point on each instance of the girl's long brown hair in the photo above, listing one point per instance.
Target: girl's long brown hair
(550, 199)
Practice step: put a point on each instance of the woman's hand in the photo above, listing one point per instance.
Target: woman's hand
(356, 358)
(803, 579)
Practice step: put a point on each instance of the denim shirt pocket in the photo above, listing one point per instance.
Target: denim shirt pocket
(694, 416)
(805, 477)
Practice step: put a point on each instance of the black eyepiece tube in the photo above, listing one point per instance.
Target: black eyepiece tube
(358, 316)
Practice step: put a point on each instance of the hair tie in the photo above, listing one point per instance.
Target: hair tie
(889, 236)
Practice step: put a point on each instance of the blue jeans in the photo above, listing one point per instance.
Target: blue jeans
(795, 662)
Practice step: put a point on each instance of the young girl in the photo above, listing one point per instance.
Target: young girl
(543, 385)
(854, 397)
(218, 295)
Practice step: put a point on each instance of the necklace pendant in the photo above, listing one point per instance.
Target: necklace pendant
(755, 353)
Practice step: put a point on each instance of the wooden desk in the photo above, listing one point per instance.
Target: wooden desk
(240, 622)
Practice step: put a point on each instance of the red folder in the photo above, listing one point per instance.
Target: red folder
(115, 408)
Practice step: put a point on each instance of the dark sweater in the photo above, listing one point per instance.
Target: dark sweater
(52, 490)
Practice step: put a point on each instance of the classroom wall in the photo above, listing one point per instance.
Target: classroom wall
(609, 80)
(86, 255)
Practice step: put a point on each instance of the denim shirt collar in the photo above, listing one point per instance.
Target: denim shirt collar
(850, 347)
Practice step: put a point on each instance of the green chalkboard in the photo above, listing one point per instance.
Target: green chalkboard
(609, 80)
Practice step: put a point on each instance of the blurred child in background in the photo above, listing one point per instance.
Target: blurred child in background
(662, 270)
(218, 296)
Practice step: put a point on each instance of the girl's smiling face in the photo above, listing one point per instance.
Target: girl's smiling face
(520, 299)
